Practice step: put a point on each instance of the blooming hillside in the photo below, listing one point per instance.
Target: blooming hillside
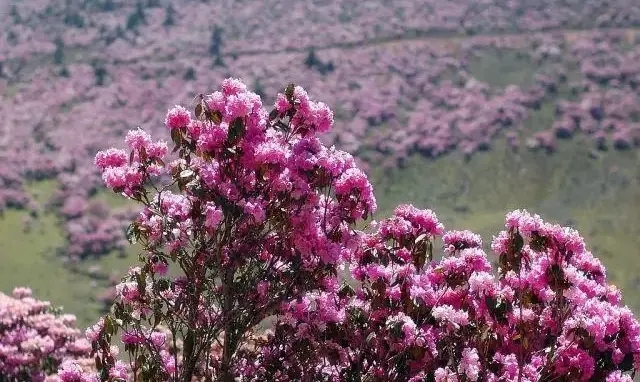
(407, 80)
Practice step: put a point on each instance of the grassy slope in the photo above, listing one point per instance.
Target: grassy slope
(29, 259)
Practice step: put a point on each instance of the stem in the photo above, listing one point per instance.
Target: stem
(175, 352)
(189, 359)
(521, 349)
(190, 355)
(227, 348)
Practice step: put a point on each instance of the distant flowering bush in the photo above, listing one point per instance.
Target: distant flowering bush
(35, 339)
(248, 247)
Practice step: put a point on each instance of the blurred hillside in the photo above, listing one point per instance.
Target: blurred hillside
(471, 108)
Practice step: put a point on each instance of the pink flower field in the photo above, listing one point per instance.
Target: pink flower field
(83, 77)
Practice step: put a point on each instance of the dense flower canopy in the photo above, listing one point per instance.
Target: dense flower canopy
(252, 269)
(547, 315)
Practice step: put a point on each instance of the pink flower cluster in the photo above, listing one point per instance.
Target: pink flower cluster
(126, 173)
(35, 339)
(548, 315)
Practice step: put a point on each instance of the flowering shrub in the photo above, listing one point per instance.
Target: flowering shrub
(35, 339)
(263, 216)
(548, 315)
(253, 229)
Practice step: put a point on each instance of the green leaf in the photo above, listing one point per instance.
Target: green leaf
(538, 243)
(346, 291)
(141, 360)
(420, 238)
(176, 136)
(627, 362)
(182, 184)
(517, 242)
(189, 341)
(288, 92)
(214, 116)
(143, 154)
(186, 174)
(370, 337)
(273, 114)
(109, 327)
(236, 130)
(157, 315)
(142, 283)
(133, 234)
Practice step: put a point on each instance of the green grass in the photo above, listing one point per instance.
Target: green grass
(600, 197)
(501, 67)
(29, 258)
(112, 199)
(539, 120)
(43, 190)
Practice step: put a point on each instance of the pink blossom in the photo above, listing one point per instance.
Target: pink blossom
(110, 158)
(178, 117)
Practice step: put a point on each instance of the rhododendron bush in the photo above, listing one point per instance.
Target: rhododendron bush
(253, 269)
(35, 339)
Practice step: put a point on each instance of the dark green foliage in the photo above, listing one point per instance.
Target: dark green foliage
(137, 18)
(327, 68)
(58, 54)
(15, 15)
(100, 5)
(100, 72)
(12, 38)
(64, 72)
(190, 74)
(169, 19)
(48, 11)
(74, 19)
(108, 6)
(215, 48)
(218, 61)
(470, 31)
(258, 88)
(312, 61)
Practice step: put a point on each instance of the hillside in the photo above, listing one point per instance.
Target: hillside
(470, 109)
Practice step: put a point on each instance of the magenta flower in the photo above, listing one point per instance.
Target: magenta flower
(178, 117)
